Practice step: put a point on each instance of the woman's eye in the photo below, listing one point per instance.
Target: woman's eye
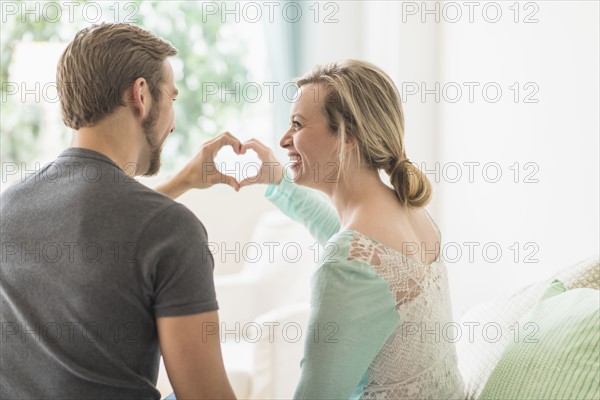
(296, 124)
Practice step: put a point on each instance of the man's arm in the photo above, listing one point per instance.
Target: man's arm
(191, 349)
(201, 172)
(176, 185)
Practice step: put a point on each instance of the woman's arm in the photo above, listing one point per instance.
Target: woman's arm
(352, 315)
(305, 206)
(300, 204)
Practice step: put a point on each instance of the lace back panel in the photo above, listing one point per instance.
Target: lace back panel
(418, 361)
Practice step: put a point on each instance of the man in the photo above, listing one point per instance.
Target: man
(98, 270)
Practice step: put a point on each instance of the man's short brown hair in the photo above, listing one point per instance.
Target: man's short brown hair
(100, 64)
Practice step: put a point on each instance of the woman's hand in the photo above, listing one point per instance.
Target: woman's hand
(201, 172)
(271, 170)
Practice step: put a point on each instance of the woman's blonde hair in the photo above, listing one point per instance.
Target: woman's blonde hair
(363, 105)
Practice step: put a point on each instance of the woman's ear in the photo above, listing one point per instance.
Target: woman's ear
(350, 144)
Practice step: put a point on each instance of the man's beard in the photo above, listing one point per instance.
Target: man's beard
(148, 126)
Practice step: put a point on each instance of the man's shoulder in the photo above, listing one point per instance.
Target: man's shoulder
(155, 205)
(118, 198)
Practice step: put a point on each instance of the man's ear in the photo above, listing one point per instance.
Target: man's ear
(138, 97)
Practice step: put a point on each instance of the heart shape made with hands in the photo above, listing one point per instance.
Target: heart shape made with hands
(239, 166)
(226, 160)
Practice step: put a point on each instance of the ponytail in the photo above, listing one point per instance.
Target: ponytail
(410, 184)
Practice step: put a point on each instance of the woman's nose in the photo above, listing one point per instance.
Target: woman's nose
(286, 140)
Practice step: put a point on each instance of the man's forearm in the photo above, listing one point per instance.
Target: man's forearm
(175, 186)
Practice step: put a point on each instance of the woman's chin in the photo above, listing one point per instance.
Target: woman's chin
(297, 178)
(303, 180)
(303, 177)
(296, 172)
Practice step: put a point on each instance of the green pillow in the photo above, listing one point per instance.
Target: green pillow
(555, 356)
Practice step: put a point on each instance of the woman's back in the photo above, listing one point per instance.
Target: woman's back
(402, 245)
(380, 319)
(407, 230)
(418, 360)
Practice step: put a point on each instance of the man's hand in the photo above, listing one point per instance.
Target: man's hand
(271, 170)
(201, 172)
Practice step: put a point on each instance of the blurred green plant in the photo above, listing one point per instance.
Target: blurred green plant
(209, 52)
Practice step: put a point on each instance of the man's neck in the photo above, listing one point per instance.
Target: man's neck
(114, 137)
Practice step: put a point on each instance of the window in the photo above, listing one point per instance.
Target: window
(220, 72)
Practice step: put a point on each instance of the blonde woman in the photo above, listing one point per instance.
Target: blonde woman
(380, 297)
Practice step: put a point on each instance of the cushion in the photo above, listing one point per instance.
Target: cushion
(277, 355)
(477, 355)
(585, 274)
(555, 353)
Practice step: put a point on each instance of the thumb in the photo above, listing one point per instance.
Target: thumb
(248, 181)
(231, 181)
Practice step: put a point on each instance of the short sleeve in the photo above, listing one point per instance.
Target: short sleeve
(177, 265)
(352, 315)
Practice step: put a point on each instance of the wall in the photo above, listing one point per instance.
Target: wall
(553, 221)
(558, 215)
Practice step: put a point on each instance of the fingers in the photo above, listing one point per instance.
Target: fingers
(225, 139)
(255, 145)
(228, 139)
(264, 152)
(231, 181)
(249, 181)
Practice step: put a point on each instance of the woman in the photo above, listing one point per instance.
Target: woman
(380, 298)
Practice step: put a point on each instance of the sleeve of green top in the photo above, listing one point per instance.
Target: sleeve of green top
(304, 205)
(352, 315)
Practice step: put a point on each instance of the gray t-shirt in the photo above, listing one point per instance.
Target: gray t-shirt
(90, 259)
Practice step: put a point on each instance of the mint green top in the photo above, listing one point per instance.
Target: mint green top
(363, 296)
(352, 308)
